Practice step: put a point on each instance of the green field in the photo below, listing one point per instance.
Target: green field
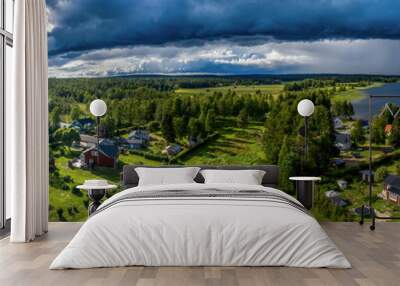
(353, 94)
(234, 146)
(272, 89)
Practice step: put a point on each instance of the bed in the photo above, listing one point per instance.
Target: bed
(201, 224)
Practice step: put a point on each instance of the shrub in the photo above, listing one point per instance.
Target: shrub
(77, 192)
(68, 179)
(381, 174)
(70, 211)
(60, 213)
(153, 126)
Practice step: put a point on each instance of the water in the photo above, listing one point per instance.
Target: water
(361, 105)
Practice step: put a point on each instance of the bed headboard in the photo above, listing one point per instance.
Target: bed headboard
(130, 178)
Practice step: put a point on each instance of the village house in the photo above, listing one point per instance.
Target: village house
(83, 124)
(365, 175)
(342, 184)
(334, 198)
(171, 150)
(343, 141)
(106, 155)
(391, 189)
(87, 141)
(138, 139)
(64, 125)
(337, 123)
(338, 162)
(331, 194)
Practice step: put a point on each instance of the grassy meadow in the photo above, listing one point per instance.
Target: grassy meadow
(273, 89)
(353, 94)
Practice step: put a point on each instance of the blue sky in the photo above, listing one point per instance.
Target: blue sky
(102, 37)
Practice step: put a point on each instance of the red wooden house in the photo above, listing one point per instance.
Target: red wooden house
(105, 156)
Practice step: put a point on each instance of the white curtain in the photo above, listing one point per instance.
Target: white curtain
(26, 124)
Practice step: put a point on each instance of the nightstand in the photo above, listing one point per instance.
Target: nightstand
(305, 187)
(96, 191)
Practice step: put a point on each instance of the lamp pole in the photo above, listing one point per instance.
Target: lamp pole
(98, 108)
(98, 130)
(305, 138)
(305, 108)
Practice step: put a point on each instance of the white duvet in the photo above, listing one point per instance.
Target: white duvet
(202, 232)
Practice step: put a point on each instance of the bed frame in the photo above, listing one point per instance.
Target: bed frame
(130, 178)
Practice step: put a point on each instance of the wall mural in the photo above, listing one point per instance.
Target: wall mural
(194, 91)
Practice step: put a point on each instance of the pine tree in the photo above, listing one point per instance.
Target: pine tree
(378, 130)
(167, 125)
(357, 133)
(179, 126)
(75, 112)
(395, 135)
(243, 118)
(287, 166)
(210, 124)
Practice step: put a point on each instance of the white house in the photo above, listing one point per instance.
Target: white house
(332, 194)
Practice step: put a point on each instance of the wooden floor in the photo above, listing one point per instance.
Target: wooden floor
(375, 257)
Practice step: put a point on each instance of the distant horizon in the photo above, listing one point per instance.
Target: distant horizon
(301, 75)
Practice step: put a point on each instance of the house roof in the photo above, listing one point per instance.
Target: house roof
(139, 133)
(338, 201)
(82, 121)
(393, 183)
(342, 137)
(107, 147)
(331, 194)
(88, 138)
(366, 172)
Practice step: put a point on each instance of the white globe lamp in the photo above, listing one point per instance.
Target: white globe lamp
(305, 108)
(98, 107)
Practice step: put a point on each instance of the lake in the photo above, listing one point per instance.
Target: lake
(361, 105)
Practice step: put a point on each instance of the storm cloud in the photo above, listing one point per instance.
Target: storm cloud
(82, 25)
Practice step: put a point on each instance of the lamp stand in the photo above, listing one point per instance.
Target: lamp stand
(305, 148)
(305, 138)
(98, 131)
(373, 214)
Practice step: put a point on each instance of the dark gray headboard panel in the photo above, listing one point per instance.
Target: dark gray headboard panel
(130, 178)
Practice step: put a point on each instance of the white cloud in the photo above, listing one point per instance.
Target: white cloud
(328, 56)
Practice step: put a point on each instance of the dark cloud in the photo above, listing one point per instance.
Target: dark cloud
(80, 25)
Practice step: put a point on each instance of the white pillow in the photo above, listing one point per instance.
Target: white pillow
(248, 177)
(166, 176)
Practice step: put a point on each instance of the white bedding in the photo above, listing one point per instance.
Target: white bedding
(200, 231)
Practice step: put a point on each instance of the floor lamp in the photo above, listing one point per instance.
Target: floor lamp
(98, 108)
(370, 179)
(305, 109)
